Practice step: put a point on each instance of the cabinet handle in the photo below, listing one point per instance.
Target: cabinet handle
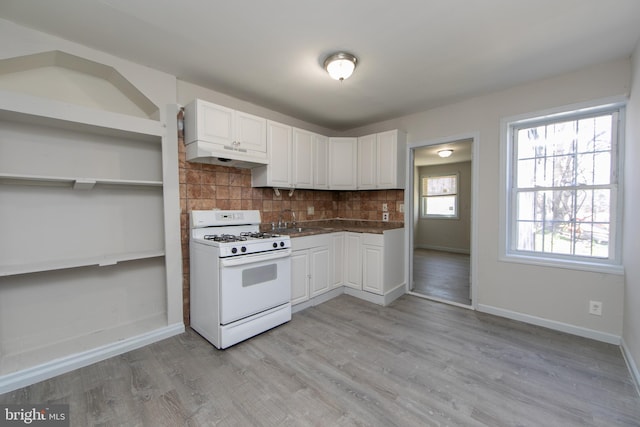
(235, 147)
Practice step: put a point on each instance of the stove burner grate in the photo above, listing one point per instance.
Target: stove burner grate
(224, 238)
(258, 235)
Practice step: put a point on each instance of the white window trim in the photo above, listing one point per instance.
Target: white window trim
(423, 214)
(612, 265)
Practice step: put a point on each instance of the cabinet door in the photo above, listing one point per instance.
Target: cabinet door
(367, 166)
(353, 261)
(279, 143)
(251, 133)
(299, 276)
(320, 278)
(343, 163)
(337, 268)
(321, 162)
(392, 157)
(215, 123)
(372, 266)
(302, 164)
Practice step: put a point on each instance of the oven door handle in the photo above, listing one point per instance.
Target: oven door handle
(250, 259)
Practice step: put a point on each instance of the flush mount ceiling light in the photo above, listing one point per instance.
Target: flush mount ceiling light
(340, 65)
(445, 153)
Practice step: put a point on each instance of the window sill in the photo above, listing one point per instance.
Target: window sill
(566, 264)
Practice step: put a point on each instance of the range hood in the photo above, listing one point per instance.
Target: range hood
(201, 152)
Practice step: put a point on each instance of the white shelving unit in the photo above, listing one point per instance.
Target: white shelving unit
(90, 258)
(77, 188)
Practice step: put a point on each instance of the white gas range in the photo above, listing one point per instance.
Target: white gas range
(240, 278)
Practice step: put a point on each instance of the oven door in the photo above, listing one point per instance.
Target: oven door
(251, 284)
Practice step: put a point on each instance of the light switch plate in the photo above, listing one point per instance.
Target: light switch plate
(595, 307)
(310, 210)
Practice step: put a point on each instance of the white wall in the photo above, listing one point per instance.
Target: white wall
(631, 225)
(16, 40)
(552, 296)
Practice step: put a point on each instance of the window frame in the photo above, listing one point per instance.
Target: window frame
(424, 197)
(509, 209)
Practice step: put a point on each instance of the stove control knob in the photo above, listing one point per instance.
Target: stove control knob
(234, 250)
(282, 244)
(275, 245)
(243, 249)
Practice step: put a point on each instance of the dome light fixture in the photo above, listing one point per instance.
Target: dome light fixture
(445, 153)
(340, 65)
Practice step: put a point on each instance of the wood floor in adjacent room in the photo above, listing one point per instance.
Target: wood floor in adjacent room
(443, 275)
(348, 362)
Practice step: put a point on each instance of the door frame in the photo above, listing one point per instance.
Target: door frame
(411, 215)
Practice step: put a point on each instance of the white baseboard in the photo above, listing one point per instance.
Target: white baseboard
(25, 377)
(384, 300)
(631, 364)
(551, 324)
(395, 293)
(318, 299)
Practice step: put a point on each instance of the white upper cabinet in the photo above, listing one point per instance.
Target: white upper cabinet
(250, 132)
(223, 132)
(381, 160)
(301, 159)
(211, 123)
(343, 163)
(278, 172)
(320, 162)
(302, 164)
(367, 162)
(391, 154)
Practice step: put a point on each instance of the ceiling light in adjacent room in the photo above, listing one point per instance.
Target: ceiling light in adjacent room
(445, 153)
(340, 65)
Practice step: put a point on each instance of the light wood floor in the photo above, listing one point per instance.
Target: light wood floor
(351, 363)
(443, 275)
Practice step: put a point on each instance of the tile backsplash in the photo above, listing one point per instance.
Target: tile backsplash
(205, 186)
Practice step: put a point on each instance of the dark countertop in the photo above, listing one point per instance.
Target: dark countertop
(310, 228)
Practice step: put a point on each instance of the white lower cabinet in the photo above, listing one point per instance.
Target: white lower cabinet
(300, 275)
(353, 260)
(370, 264)
(374, 262)
(337, 268)
(311, 271)
(319, 282)
(372, 251)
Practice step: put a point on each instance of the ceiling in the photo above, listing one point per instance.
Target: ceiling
(428, 155)
(413, 55)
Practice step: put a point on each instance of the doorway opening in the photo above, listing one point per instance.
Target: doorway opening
(441, 220)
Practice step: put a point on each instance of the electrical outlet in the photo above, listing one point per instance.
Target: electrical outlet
(385, 216)
(595, 307)
(310, 210)
(385, 207)
(401, 208)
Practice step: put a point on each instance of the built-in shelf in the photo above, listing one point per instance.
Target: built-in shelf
(102, 261)
(19, 107)
(76, 183)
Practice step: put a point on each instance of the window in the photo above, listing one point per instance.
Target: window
(563, 187)
(439, 196)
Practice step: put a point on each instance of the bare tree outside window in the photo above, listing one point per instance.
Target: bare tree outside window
(564, 186)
